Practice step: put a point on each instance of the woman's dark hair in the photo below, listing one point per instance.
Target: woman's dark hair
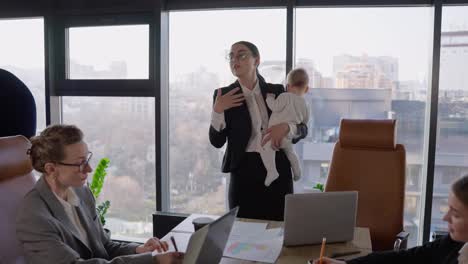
(460, 189)
(254, 51)
(250, 46)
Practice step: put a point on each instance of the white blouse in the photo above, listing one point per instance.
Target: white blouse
(257, 109)
(463, 254)
(69, 205)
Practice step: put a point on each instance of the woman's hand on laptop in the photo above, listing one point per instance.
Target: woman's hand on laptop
(153, 244)
(328, 261)
(169, 258)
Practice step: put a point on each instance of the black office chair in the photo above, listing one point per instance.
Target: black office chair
(17, 107)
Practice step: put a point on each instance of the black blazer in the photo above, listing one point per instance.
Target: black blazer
(440, 251)
(239, 125)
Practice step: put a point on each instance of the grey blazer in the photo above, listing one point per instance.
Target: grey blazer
(48, 236)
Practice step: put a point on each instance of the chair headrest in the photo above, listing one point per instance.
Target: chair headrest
(14, 160)
(18, 101)
(368, 133)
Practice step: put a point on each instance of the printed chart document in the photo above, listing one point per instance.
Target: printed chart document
(263, 246)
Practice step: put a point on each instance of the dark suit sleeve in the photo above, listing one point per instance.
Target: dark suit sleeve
(302, 131)
(433, 252)
(217, 138)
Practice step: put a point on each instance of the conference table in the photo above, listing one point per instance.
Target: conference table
(288, 255)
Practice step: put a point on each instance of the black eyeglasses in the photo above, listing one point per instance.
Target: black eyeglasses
(80, 166)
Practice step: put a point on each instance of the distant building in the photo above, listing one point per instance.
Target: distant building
(273, 71)
(453, 60)
(327, 82)
(116, 70)
(136, 106)
(412, 90)
(388, 66)
(365, 72)
(315, 77)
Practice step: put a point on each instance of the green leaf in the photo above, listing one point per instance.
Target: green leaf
(96, 187)
(98, 177)
(319, 186)
(102, 210)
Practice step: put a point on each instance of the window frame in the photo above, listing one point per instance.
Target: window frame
(99, 87)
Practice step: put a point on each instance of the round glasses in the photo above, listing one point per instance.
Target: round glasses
(81, 166)
(239, 57)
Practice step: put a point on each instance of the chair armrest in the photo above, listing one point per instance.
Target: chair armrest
(401, 241)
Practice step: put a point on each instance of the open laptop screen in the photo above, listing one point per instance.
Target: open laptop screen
(309, 217)
(207, 244)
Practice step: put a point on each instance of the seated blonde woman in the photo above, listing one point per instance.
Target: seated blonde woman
(448, 250)
(57, 220)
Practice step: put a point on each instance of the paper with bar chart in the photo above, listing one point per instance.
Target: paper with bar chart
(265, 246)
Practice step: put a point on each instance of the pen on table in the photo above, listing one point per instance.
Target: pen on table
(174, 244)
(322, 249)
(346, 253)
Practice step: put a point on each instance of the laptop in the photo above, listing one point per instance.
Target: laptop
(309, 217)
(206, 246)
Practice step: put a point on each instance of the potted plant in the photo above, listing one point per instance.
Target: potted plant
(96, 187)
(319, 186)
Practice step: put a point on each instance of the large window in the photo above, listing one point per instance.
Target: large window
(199, 43)
(452, 135)
(22, 53)
(365, 63)
(123, 130)
(109, 52)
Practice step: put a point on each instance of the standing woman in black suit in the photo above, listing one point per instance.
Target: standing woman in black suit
(240, 117)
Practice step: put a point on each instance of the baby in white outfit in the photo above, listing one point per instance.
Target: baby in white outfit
(291, 108)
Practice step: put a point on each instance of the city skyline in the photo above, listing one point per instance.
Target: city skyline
(271, 48)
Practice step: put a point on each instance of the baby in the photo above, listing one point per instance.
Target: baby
(289, 107)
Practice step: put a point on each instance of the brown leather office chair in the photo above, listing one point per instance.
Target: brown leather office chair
(367, 159)
(16, 179)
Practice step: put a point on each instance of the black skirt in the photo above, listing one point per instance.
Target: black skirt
(248, 191)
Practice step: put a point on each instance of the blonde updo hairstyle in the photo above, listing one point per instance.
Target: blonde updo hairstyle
(49, 146)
